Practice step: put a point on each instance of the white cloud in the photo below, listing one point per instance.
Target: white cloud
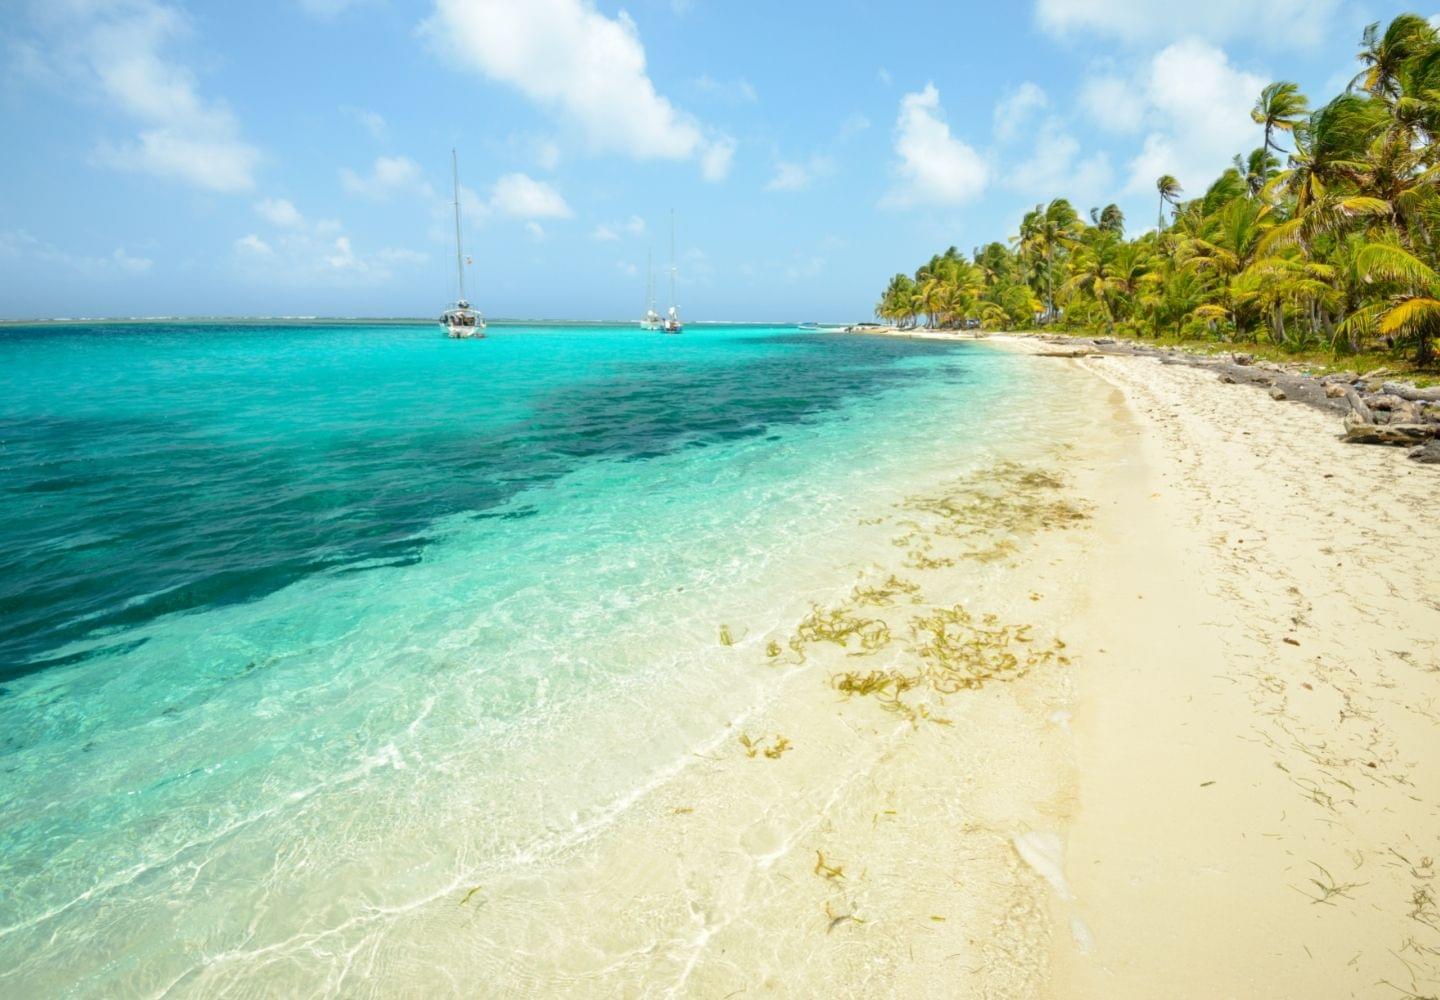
(853, 125)
(1015, 110)
(1042, 159)
(17, 244)
(279, 212)
(120, 53)
(1055, 167)
(299, 249)
(1300, 24)
(253, 245)
(371, 121)
(127, 262)
(634, 226)
(389, 175)
(588, 68)
(804, 269)
(793, 176)
(342, 257)
(536, 231)
(789, 177)
(716, 158)
(524, 197)
(547, 154)
(883, 75)
(737, 91)
(1200, 103)
(300, 255)
(933, 167)
(1113, 103)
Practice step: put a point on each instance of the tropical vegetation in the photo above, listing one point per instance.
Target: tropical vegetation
(1325, 237)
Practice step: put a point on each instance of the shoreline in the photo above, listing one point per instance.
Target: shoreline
(1376, 407)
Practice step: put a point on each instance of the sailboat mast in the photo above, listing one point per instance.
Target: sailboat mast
(650, 280)
(459, 264)
(672, 257)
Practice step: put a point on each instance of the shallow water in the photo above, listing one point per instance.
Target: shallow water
(302, 628)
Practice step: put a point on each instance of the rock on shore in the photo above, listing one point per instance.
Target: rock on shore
(1373, 411)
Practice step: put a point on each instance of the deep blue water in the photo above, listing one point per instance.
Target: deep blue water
(148, 470)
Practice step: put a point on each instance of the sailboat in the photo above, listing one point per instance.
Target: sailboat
(651, 320)
(672, 322)
(460, 321)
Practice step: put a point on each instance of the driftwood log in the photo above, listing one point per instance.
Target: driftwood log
(1409, 392)
(1357, 409)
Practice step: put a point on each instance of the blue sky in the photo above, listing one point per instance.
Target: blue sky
(166, 157)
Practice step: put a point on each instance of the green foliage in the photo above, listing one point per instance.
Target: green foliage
(1325, 236)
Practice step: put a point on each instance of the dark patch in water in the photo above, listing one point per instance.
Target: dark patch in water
(107, 523)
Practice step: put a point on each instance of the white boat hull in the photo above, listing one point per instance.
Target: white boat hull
(455, 332)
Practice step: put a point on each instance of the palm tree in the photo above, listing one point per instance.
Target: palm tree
(1056, 227)
(1331, 146)
(1170, 192)
(1112, 220)
(1280, 108)
(1256, 169)
(1414, 309)
(1385, 56)
(1231, 243)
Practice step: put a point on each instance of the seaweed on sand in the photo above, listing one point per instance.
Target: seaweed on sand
(836, 919)
(777, 748)
(961, 653)
(1007, 498)
(825, 870)
(883, 595)
(921, 559)
(839, 625)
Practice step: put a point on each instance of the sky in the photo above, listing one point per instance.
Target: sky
(292, 157)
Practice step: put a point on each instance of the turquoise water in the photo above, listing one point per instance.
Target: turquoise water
(302, 627)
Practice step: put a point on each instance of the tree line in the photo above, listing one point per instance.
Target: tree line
(1326, 236)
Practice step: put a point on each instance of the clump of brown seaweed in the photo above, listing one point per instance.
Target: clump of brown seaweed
(883, 595)
(957, 652)
(825, 869)
(1007, 498)
(777, 748)
(961, 653)
(840, 625)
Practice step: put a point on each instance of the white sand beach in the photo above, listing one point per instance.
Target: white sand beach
(1257, 706)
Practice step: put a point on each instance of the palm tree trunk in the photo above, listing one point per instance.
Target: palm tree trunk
(1049, 282)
